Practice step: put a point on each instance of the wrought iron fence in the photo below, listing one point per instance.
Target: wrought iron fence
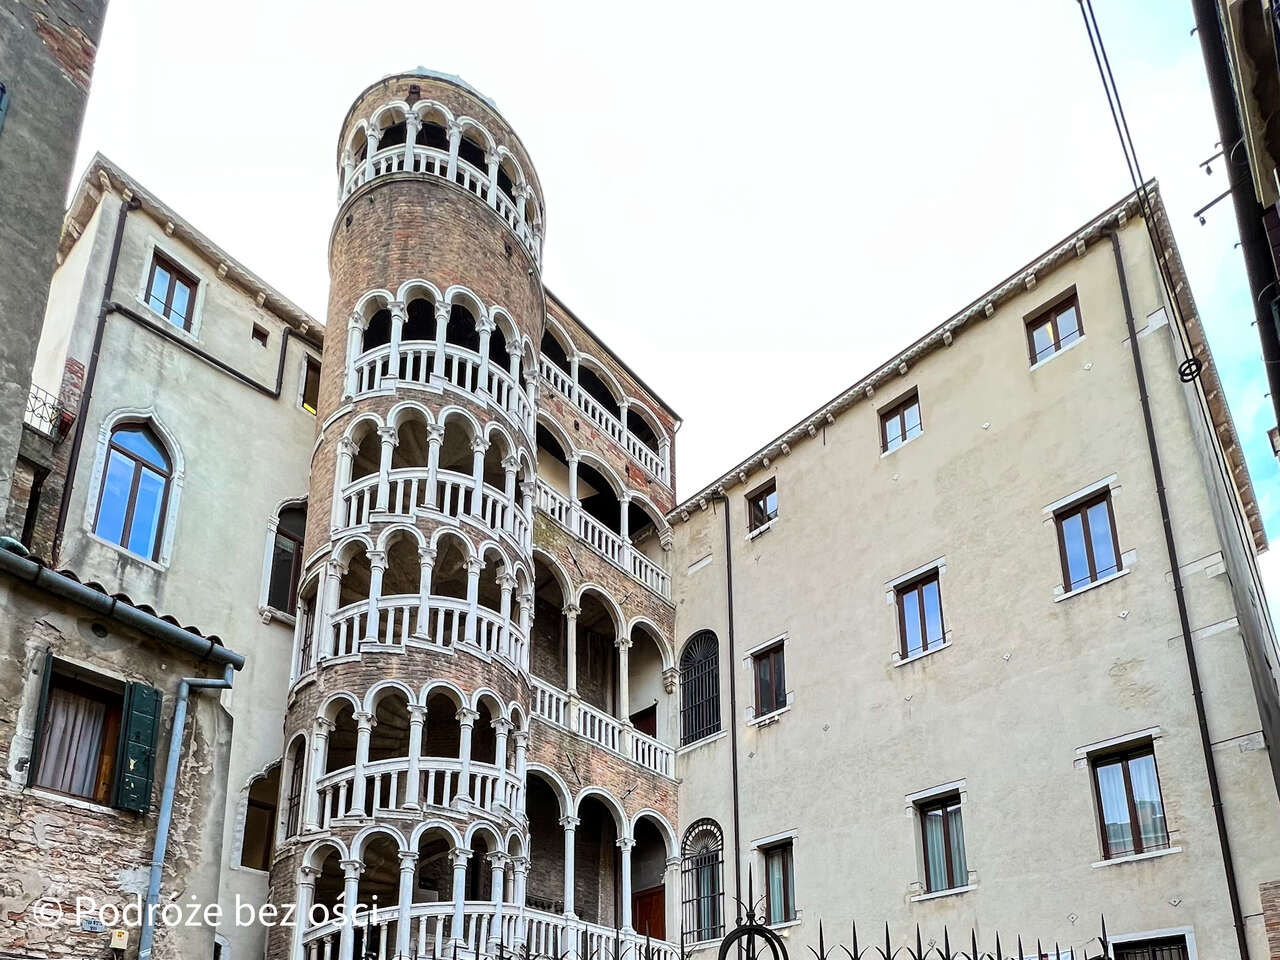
(43, 411)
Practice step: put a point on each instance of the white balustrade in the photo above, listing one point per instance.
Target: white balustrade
(550, 500)
(432, 934)
(599, 727)
(600, 537)
(651, 754)
(397, 619)
(550, 704)
(650, 574)
(348, 628)
(439, 783)
(434, 162)
(358, 500)
(407, 490)
(602, 418)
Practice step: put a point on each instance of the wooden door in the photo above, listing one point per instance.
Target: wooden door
(648, 913)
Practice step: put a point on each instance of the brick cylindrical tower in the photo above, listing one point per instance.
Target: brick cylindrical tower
(408, 716)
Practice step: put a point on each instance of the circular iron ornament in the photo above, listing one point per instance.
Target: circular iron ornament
(751, 931)
(1189, 369)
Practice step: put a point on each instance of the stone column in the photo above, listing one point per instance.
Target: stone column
(493, 160)
(575, 508)
(389, 440)
(347, 449)
(398, 317)
(509, 467)
(426, 564)
(526, 620)
(671, 893)
(571, 611)
(455, 138)
(408, 870)
(435, 436)
(573, 373)
(474, 566)
(497, 867)
(625, 844)
(501, 730)
(350, 892)
(442, 319)
(478, 447)
(372, 136)
(302, 906)
(664, 451)
(624, 678)
(522, 755)
(466, 722)
(348, 168)
(520, 867)
(319, 753)
(485, 328)
(506, 584)
(527, 490)
(334, 572)
(364, 726)
(355, 336)
(377, 567)
(624, 529)
(459, 859)
(411, 124)
(570, 824)
(413, 781)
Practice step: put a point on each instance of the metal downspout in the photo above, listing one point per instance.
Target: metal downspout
(165, 816)
(733, 708)
(1184, 620)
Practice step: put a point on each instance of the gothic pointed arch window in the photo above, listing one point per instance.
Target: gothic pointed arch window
(700, 687)
(702, 881)
(134, 495)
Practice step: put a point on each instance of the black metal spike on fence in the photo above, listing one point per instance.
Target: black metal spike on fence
(854, 954)
(1103, 918)
(1020, 953)
(946, 943)
(973, 941)
(999, 952)
(888, 949)
(919, 947)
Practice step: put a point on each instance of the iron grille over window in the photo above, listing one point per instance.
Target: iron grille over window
(702, 881)
(699, 687)
(293, 803)
(1166, 948)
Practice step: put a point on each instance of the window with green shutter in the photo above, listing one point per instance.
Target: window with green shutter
(95, 737)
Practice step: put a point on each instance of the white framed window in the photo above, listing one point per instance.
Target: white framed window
(942, 861)
(136, 486)
(171, 289)
(282, 560)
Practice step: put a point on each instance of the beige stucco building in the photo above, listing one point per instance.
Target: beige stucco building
(926, 658)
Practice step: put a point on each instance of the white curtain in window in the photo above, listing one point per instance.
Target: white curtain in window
(71, 743)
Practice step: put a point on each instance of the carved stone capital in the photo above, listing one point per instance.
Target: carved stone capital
(571, 610)
(466, 716)
(670, 677)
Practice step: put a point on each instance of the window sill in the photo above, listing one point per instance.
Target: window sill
(901, 661)
(1057, 353)
(1089, 586)
(937, 894)
(186, 334)
(139, 558)
(772, 716)
(784, 924)
(271, 613)
(688, 747)
(78, 802)
(762, 529)
(890, 453)
(1136, 857)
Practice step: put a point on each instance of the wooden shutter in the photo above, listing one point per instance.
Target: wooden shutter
(46, 674)
(136, 763)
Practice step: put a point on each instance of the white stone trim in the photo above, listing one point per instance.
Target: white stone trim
(889, 453)
(1057, 353)
(773, 838)
(890, 586)
(94, 491)
(782, 638)
(681, 751)
(955, 786)
(1187, 933)
(1067, 595)
(700, 563)
(202, 283)
(1106, 483)
(1137, 736)
(762, 529)
(265, 610)
(899, 660)
(1135, 857)
(951, 892)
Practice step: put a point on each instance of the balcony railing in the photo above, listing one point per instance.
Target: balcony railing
(43, 411)
(435, 163)
(462, 371)
(602, 418)
(432, 935)
(387, 788)
(400, 625)
(555, 707)
(603, 540)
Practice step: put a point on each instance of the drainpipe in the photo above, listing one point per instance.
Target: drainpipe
(733, 707)
(1184, 620)
(77, 438)
(166, 799)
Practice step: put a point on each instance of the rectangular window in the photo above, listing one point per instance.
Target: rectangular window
(259, 334)
(1130, 808)
(171, 291)
(779, 883)
(942, 832)
(1164, 948)
(1052, 329)
(311, 385)
(900, 422)
(1087, 541)
(762, 505)
(920, 615)
(95, 738)
(770, 680)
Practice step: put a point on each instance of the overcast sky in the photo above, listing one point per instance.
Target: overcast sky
(753, 204)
